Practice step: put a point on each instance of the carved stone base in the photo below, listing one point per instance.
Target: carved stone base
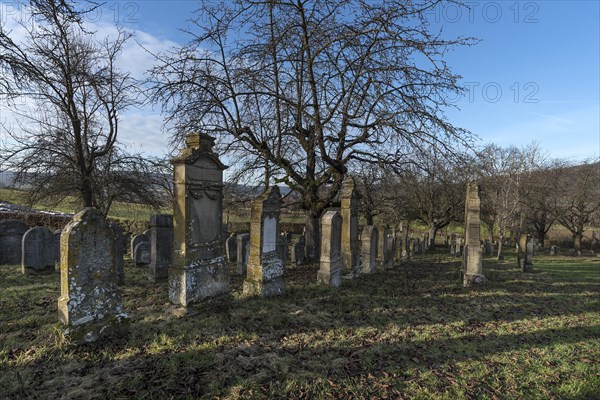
(331, 278)
(265, 280)
(473, 280)
(89, 332)
(158, 272)
(198, 281)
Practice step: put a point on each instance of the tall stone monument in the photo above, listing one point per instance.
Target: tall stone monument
(264, 276)
(199, 269)
(242, 248)
(90, 302)
(349, 213)
(382, 248)
(472, 258)
(330, 266)
(161, 246)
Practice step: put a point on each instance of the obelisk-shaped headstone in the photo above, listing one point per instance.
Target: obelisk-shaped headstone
(199, 269)
(472, 261)
(349, 213)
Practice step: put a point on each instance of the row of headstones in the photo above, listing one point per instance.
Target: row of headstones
(291, 248)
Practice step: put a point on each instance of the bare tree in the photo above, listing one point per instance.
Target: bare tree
(579, 199)
(311, 86)
(64, 142)
(502, 171)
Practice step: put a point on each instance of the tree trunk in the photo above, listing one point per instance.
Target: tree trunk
(500, 240)
(540, 230)
(432, 232)
(577, 237)
(312, 236)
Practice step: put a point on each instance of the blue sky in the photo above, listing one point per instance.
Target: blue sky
(533, 77)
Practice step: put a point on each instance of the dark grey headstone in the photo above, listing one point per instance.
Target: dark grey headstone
(37, 251)
(11, 236)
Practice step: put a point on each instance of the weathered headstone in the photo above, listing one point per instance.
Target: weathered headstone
(398, 249)
(265, 269)
(11, 236)
(231, 247)
(489, 248)
(142, 254)
(369, 238)
(199, 269)
(472, 258)
(90, 302)
(161, 246)
(453, 243)
(135, 239)
(382, 247)
(330, 265)
(119, 252)
(282, 247)
(349, 212)
(406, 245)
(297, 256)
(243, 248)
(37, 251)
(391, 243)
(554, 250)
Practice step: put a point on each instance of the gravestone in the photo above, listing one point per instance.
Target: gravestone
(90, 303)
(453, 243)
(37, 251)
(527, 265)
(382, 247)
(119, 252)
(472, 258)
(297, 256)
(349, 213)
(391, 243)
(231, 247)
(554, 250)
(265, 269)
(135, 239)
(489, 248)
(398, 249)
(199, 268)
(406, 245)
(11, 237)
(142, 254)
(282, 247)
(369, 238)
(243, 249)
(161, 246)
(330, 265)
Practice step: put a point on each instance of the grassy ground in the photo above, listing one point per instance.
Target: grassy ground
(411, 332)
(119, 210)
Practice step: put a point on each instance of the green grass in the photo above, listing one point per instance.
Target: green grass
(410, 332)
(120, 210)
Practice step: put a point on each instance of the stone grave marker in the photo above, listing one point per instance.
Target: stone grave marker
(142, 254)
(161, 246)
(472, 258)
(265, 269)
(297, 256)
(330, 265)
(243, 249)
(135, 239)
(119, 247)
(11, 237)
(199, 267)
(90, 302)
(37, 251)
(382, 250)
(369, 238)
(231, 248)
(349, 212)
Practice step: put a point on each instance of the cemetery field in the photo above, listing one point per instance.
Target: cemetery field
(410, 332)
